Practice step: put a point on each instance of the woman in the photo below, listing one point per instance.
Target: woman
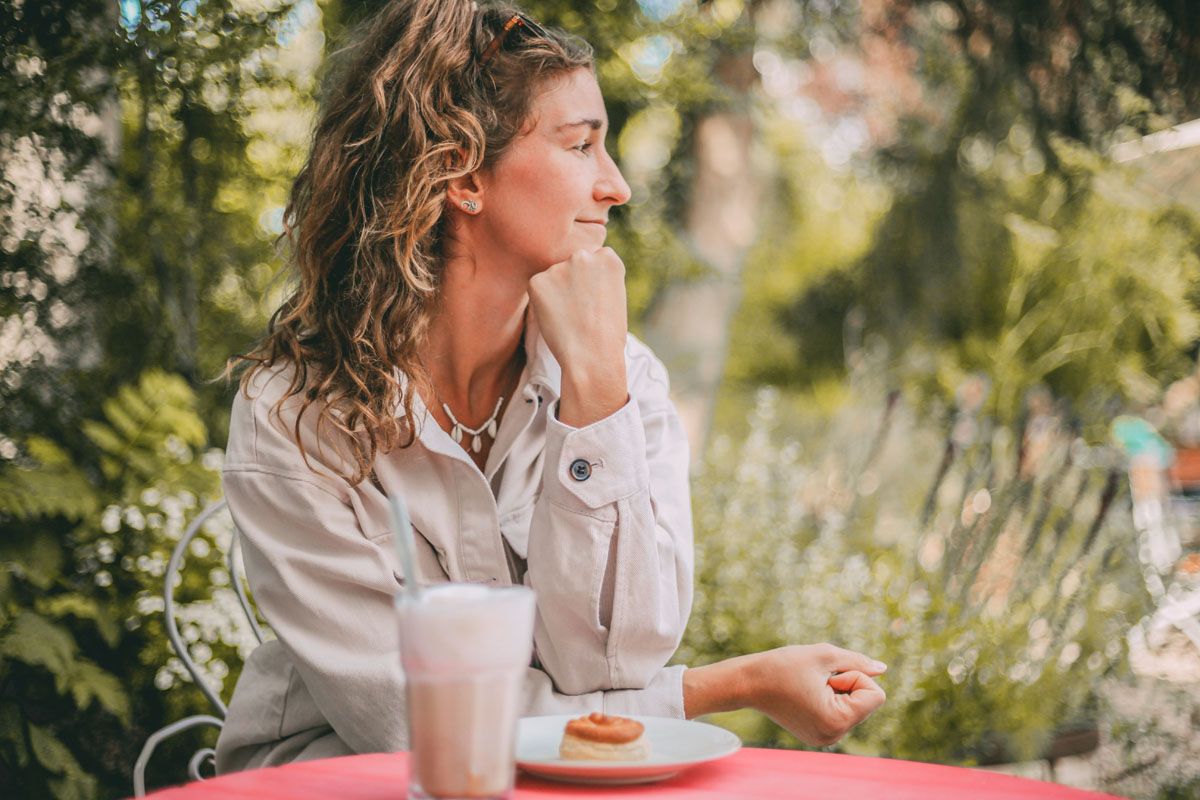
(457, 335)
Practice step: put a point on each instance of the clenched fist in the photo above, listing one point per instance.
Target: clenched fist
(580, 308)
(818, 692)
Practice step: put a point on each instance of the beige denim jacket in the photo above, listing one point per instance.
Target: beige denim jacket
(609, 557)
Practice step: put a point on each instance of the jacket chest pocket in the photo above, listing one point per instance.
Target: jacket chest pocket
(431, 561)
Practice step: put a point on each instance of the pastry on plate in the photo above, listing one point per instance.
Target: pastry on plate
(598, 737)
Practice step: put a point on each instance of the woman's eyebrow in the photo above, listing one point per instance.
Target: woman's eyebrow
(594, 124)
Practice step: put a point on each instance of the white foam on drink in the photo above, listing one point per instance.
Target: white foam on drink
(458, 628)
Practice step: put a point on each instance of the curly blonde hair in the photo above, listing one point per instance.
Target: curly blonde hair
(410, 108)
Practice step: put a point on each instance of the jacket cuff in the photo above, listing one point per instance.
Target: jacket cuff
(595, 466)
(663, 697)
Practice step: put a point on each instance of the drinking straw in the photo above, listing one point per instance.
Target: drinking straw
(402, 538)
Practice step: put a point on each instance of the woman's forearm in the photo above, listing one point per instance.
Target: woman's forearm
(723, 686)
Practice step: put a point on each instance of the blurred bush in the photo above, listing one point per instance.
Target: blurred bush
(991, 566)
(1076, 280)
(1152, 734)
(82, 644)
(142, 146)
(937, 191)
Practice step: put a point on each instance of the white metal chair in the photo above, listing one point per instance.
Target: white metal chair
(171, 579)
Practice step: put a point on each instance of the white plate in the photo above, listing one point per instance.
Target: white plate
(675, 744)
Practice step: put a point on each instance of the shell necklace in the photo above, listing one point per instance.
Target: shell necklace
(457, 429)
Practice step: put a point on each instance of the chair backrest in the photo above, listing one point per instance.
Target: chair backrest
(233, 561)
(172, 579)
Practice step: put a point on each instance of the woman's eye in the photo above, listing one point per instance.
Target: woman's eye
(584, 147)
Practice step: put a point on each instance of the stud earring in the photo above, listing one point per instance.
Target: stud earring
(471, 206)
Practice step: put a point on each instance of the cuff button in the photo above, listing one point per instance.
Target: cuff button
(581, 470)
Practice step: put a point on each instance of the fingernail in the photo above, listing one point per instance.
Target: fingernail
(879, 665)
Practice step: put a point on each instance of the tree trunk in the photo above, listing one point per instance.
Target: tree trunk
(688, 324)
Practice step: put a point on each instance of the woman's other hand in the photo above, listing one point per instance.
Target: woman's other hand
(580, 308)
(818, 692)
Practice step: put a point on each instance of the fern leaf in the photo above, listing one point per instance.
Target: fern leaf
(174, 404)
(56, 487)
(47, 453)
(36, 641)
(139, 419)
(73, 783)
(104, 437)
(13, 733)
(6, 587)
(35, 558)
(126, 414)
(77, 786)
(50, 752)
(89, 681)
(82, 607)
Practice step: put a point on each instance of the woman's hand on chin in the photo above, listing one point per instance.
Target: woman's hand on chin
(580, 308)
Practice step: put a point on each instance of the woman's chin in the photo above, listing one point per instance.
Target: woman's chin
(591, 236)
(580, 240)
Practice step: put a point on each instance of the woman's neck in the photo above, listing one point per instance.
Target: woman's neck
(474, 339)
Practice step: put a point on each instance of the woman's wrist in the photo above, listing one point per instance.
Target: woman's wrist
(592, 395)
(727, 685)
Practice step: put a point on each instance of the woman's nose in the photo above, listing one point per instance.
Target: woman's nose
(611, 186)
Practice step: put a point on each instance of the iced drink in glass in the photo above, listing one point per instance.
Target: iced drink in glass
(464, 649)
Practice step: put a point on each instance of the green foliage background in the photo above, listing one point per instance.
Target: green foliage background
(147, 149)
(997, 590)
(80, 647)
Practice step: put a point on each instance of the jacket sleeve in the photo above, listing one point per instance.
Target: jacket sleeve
(326, 591)
(610, 542)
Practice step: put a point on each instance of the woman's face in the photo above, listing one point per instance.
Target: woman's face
(549, 195)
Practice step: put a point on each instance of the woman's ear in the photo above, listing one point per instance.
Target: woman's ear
(465, 193)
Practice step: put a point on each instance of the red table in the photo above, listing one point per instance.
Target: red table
(750, 773)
